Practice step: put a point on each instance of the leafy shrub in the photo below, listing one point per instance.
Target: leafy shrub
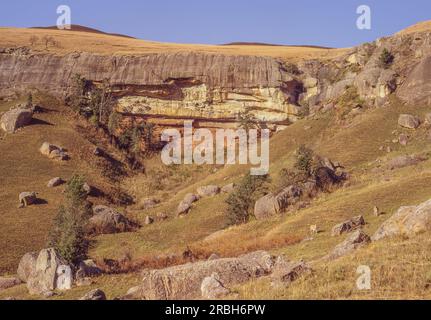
(241, 201)
(304, 160)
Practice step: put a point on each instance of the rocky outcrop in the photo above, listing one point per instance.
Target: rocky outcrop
(208, 191)
(212, 288)
(14, 119)
(185, 205)
(185, 281)
(53, 152)
(407, 221)
(182, 84)
(285, 272)
(404, 161)
(409, 121)
(417, 87)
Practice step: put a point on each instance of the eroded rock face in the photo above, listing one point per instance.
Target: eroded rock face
(407, 221)
(348, 225)
(185, 281)
(14, 119)
(182, 84)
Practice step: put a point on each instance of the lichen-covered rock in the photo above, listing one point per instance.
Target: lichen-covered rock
(407, 221)
(285, 272)
(27, 198)
(13, 119)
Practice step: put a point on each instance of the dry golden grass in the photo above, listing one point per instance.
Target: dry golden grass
(73, 41)
(419, 27)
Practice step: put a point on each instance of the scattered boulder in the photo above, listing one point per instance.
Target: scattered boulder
(228, 188)
(6, 283)
(409, 121)
(44, 277)
(107, 220)
(185, 281)
(285, 272)
(407, 221)
(354, 241)
(161, 216)
(27, 265)
(95, 294)
(14, 119)
(86, 269)
(87, 188)
(148, 220)
(403, 139)
(148, 203)
(428, 118)
(314, 229)
(348, 225)
(27, 198)
(271, 205)
(376, 211)
(208, 191)
(53, 152)
(54, 182)
(186, 204)
(213, 288)
(404, 161)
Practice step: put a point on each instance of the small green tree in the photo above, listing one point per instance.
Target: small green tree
(67, 235)
(240, 203)
(247, 120)
(304, 160)
(386, 58)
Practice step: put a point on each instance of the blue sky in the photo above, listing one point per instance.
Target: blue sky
(317, 22)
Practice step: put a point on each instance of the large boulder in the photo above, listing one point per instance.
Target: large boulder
(409, 121)
(348, 225)
(212, 288)
(148, 203)
(44, 277)
(86, 269)
(407, 221)
(14, 119)
(8, 282)
(271, 205)
(354, 241)
(208, 191)
(27, 265)
(106, 220)
(185, 281)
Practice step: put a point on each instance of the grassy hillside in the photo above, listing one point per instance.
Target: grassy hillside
(70, 41)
